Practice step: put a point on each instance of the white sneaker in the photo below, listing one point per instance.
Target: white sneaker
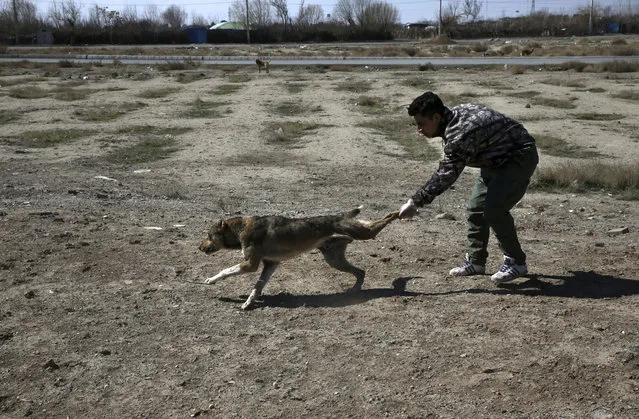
(467, 269)
(509, 271)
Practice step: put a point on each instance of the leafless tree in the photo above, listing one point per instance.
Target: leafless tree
(151, 14)
(237, 11)
(129, 15)
(25, 15)
(198, 20)
(472, 8)
(344, 11)
(367, 14)
(103, 18)
(260, 13)
(64, 13)
(379, 16)
(281, 11)
(310, 15)
(174, 16)
(450, 14)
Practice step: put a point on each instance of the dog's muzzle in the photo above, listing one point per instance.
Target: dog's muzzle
(207, 247)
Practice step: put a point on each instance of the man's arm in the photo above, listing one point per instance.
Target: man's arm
(449, 170)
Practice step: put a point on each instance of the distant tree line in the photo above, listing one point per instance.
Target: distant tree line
(272, 21)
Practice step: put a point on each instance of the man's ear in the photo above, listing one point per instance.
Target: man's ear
(437, 118)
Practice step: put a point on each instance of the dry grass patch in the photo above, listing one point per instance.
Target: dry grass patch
(494, 84)
(226, 89)
(613, 67)
(402, 130)
(28, 92)
(179, 65)
(442, 40)
(556, 146)
(48, 138)
(589, 176)
(627, 94)
(239, 78)
(290, 108)
(566, 83)
(288, 133)
(152, 143)
(554, 103)
(108, 112)
(295, 87)
(451, 99)
(418, 82)
(157, 93)
(591, 90)
(7, 116)
(517, 69)
(526, 94)
(594, 116)
(145, 150)
(354, 86)
(69, 94)
(342, 68)
(67, 64)
(426, 67)
(203, 109)
(152, 130)
(185, 78)
(371, 105)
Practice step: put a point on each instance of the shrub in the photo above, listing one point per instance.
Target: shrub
(590, 175)
(479, 47)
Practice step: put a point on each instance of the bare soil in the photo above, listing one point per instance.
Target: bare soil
(102, 308)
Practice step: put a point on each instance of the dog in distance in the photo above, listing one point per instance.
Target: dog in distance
(273, 239)
(262, 65)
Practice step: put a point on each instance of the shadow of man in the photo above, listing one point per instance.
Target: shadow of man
(578, 285)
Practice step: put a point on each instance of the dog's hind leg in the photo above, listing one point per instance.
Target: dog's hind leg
(269, 268)
(366, 230)
(334, 252)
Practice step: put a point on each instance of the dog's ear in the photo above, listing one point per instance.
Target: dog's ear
(220, 225)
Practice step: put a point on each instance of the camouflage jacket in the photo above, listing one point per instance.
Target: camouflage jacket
(475, 136)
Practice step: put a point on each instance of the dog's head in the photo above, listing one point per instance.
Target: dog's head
(214, 240)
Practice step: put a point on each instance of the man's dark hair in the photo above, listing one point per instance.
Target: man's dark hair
(426, 105)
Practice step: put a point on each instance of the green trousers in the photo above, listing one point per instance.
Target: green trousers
(496, 191)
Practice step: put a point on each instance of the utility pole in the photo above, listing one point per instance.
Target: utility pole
(532, 8)
(592, 4)
(15, 20)
(248, 28)
(439, 27)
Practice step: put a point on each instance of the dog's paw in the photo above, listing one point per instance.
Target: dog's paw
(354, 289)
(248, 305)
(210, 280)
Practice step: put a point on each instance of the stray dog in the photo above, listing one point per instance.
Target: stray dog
(262, 64)
(273, 239)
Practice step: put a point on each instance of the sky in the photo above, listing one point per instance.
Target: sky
(410, 10)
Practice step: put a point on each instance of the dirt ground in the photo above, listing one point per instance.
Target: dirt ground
(102, 308)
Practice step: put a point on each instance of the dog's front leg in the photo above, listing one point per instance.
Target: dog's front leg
(269, 268)
(233, 270)
(250, 265)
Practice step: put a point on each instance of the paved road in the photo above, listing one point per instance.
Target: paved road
(246, 60)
